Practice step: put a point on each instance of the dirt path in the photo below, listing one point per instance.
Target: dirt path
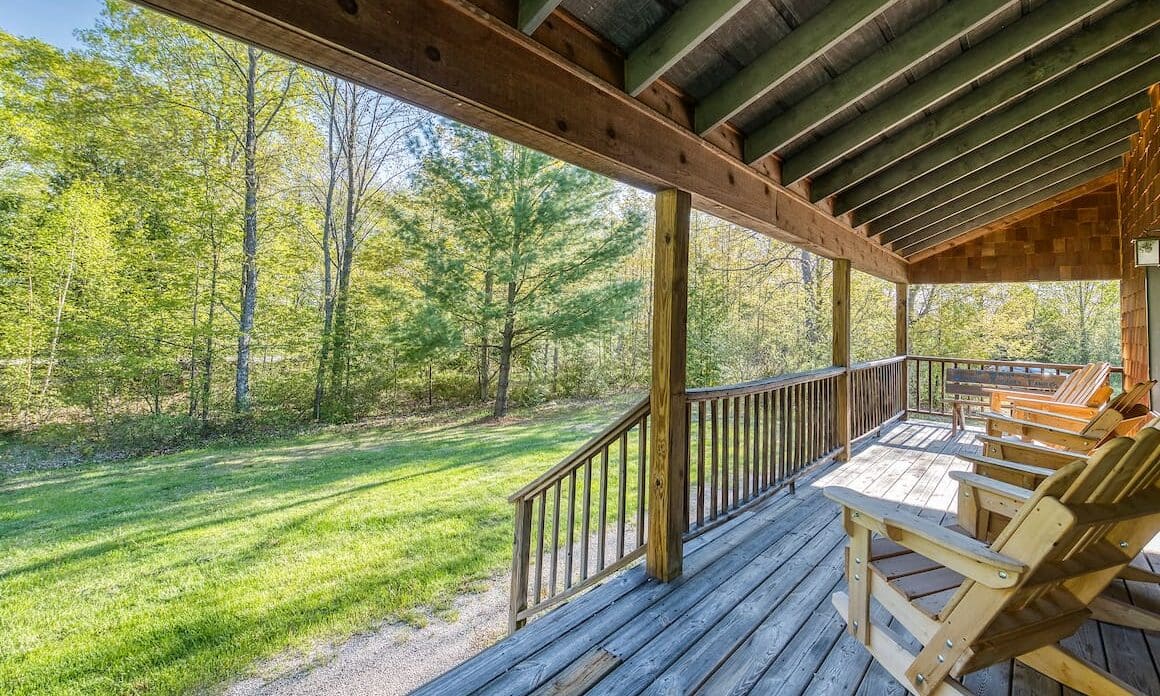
(393, 660)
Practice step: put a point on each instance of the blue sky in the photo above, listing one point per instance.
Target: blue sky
(52, 21)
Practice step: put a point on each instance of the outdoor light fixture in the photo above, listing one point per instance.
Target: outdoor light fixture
(1147, 250)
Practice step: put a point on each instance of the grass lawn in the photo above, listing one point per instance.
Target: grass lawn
(173, 574)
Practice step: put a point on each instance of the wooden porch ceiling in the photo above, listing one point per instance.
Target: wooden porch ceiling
(874, 130)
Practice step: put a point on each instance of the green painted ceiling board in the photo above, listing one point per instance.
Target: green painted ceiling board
(1040, 114)
(813, 38)
(1078, 157)
(892, 60)
(1013, 206)
(1038, 27)
(673, 40)
(1017, 149)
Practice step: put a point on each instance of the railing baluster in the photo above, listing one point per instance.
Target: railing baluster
(622, 503)
(701, 464)
(558, 488)
(543, 497)
(745, 447)
(571, 533)
(641, 487)
(713, 448)
(602, 533)
(586, 511)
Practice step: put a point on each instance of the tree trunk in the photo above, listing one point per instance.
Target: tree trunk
(340, 359)
(505, 353)
(485, 338)
(192, 410)
(327, 262)
(249, 239)
(207, 363)
(58, 318)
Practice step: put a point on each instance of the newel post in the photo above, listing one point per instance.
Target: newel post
(841, 337)
(901, 340)
(667, 485)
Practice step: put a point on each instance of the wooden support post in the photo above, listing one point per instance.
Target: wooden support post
(521, 565)
(901, 339)
(666, 523)
(842, 353)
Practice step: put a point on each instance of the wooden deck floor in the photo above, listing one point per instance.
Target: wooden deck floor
(752, 613)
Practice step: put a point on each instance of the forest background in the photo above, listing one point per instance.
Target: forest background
(201, 240)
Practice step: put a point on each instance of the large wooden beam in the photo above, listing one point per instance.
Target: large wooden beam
(814, 37)
(1040, 115)
(1040, 26)
(998, 158)
(1014, 205)
(841, 354)
(887, 63)
(667, 485)
(1032, 210)
(452, 57)
(1014, 84)
(680, 34)
(933, 211)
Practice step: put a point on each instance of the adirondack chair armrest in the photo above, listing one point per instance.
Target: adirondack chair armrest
(956, 551)
(1014, 449)
(1027, 414)
(981, 464)
(997, 395)
(992, 416)
(1007, 491)
(1083, 413)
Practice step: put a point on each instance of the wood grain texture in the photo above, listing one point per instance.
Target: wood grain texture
(1139, 199)
(841, 353)
(666, 512)
(1077, 239)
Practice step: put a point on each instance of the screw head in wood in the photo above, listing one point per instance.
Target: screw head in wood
(941, 658)
(950, 643)
(1003, 574)
(919, 678)
(1123, 544)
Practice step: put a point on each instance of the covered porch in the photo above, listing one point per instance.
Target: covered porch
(752, 612)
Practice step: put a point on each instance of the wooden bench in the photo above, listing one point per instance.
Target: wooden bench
(966, 388)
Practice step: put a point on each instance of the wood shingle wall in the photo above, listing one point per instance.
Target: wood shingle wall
(1078, 239)
(1139, 190)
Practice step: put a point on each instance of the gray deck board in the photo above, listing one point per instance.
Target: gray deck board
(752, 613)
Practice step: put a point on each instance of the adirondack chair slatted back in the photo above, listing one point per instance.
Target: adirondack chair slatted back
(1083, 524)
(1118, 409)
(1086, 388)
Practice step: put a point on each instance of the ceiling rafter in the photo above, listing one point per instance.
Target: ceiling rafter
(889, 62)
(532, 14)
(1031, 31)
(1012, 151)
(1097, 184)
(1082, 154)
(674, 39)
(1029, 194)
(1007, 87)
(1041, 114)
(814, 37)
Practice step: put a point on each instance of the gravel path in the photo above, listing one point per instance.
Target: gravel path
(393, 660)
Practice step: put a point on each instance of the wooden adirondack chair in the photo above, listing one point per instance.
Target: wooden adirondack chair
(1122, 416)
(979, 604)
(1087, 386)
(1003, 478)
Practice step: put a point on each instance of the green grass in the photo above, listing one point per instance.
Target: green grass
(176, 573)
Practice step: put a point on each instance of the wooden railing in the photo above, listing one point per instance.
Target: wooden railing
(877, 395)
(583, 519)
(926, 376)
(748, 440)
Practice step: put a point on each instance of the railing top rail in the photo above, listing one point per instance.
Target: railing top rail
(1006, 363)
(706, 393)
(881, 362)
(589, 449)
